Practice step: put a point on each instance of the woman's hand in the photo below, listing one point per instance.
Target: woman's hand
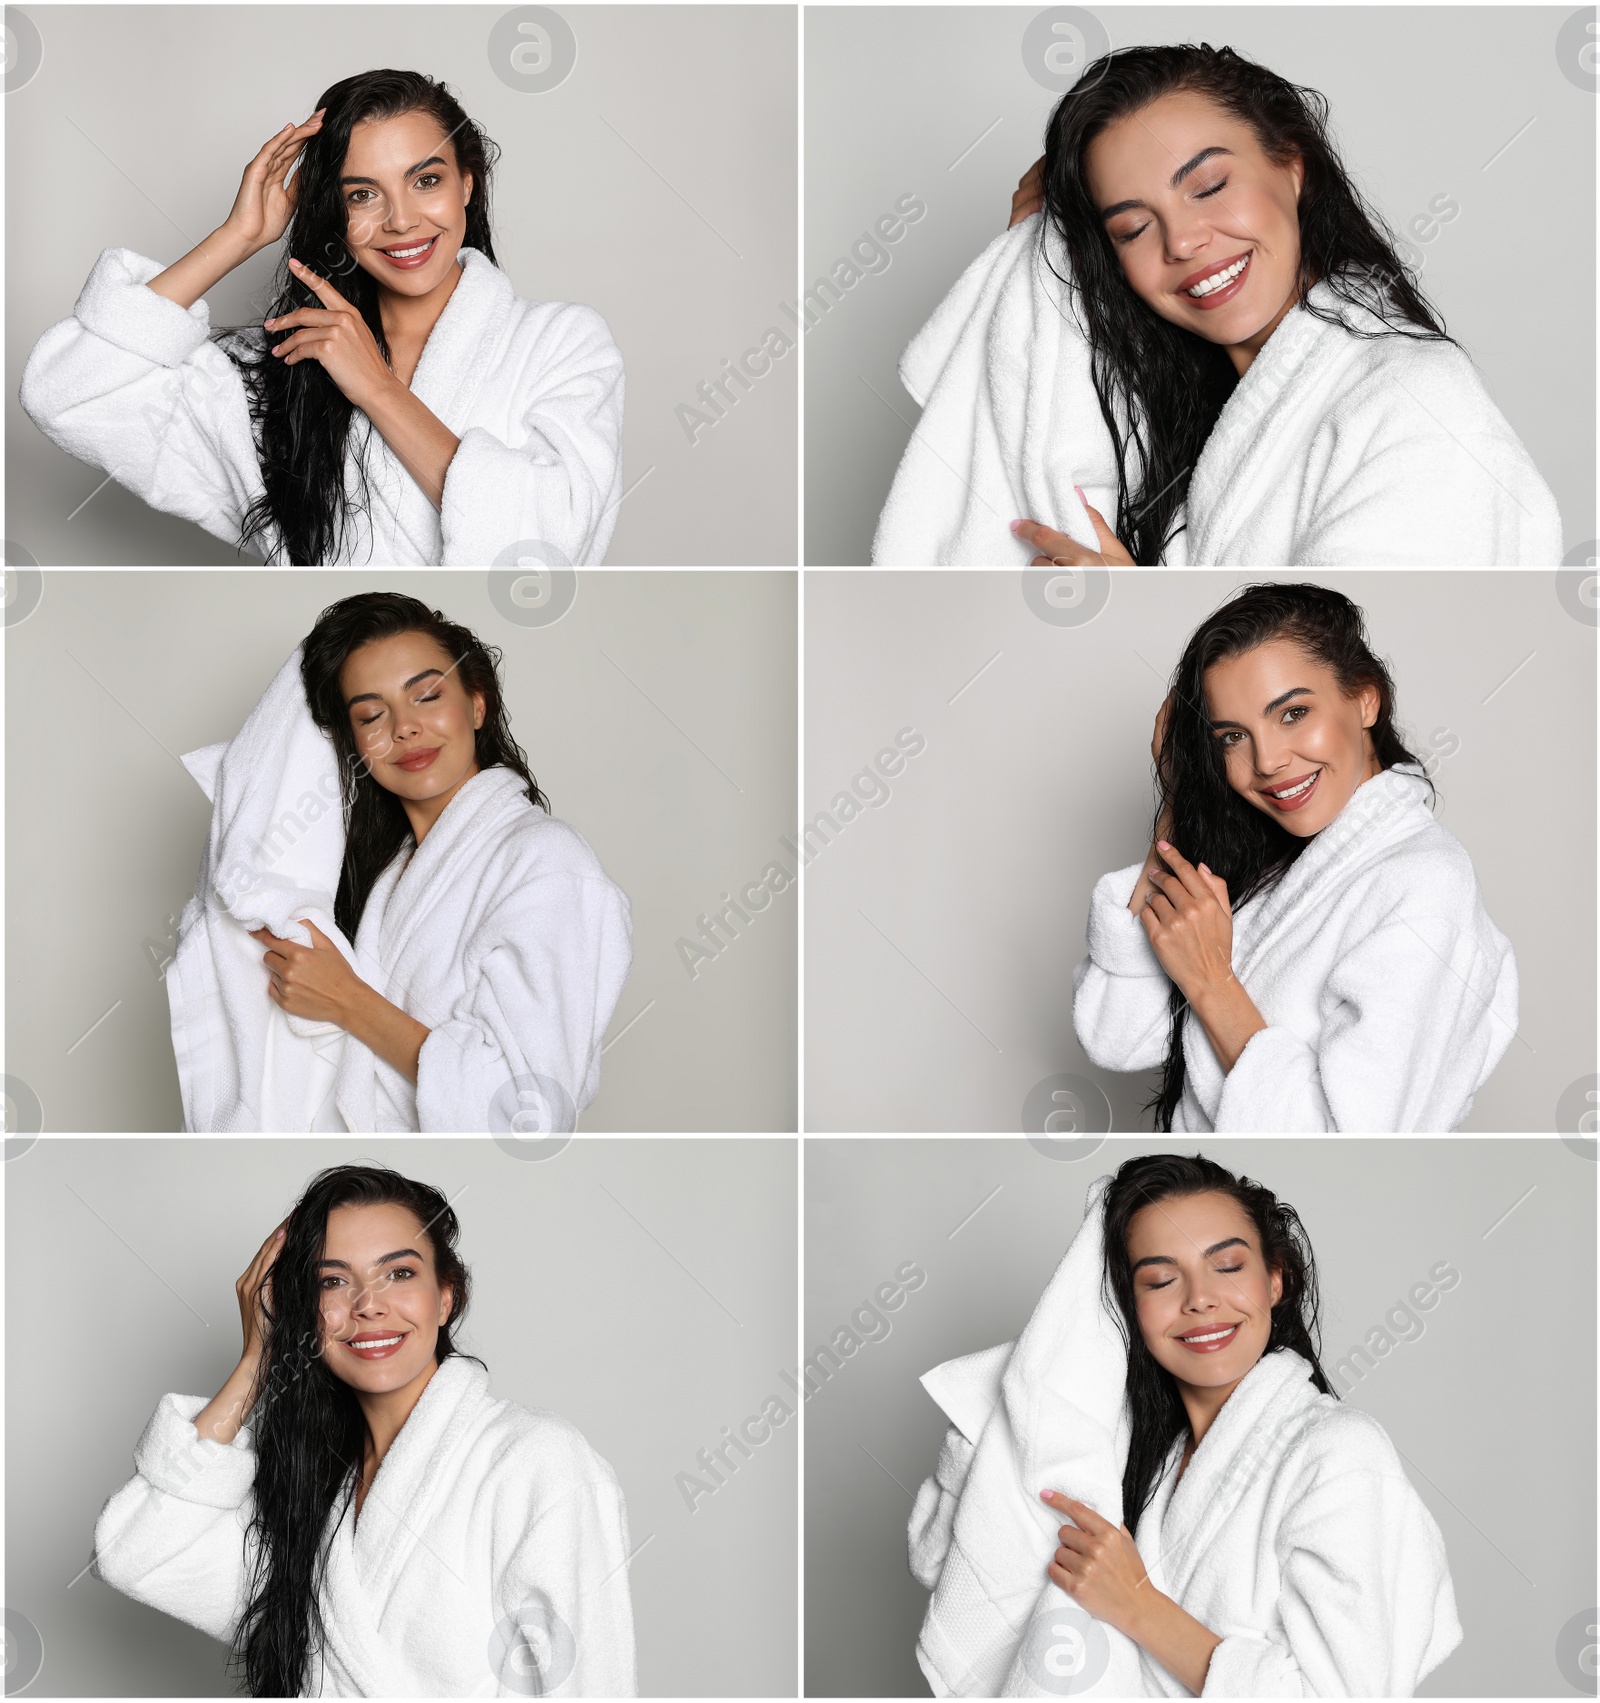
(314, 982)
(1098, 1565)
(254, 1290)
(1190, 923)
(265, 200)
(1029, 197)
(1057, 550)
(336, 335)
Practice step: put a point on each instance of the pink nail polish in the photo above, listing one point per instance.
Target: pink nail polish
(1017, 525)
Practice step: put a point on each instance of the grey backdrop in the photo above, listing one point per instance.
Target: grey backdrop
(1489, 1395)
(937, 102)
(658, 714)
(942, 925)
(644, 1290)
(656, 184)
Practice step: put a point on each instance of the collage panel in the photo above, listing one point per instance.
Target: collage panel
(1360, 772)
(512, 805)
(988, 1320)
(1197, 284)
(252, 341)
(534, 1521)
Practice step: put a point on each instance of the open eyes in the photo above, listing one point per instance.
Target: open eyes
(1291, 717)
(368, 721)
(426, 183)
(1172, 1280)
(1128, 236)
(398, 1272)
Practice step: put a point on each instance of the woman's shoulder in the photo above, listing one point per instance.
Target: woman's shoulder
(1336, 1439)
(1428, 872)
(545, 845)
(573, 328)
(538, 1449)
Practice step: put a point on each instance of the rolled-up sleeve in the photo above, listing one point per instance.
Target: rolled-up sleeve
(1120, 991)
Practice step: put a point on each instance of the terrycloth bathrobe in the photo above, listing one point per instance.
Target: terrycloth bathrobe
(1294, 1533)
(133, 384)
(489, 1559)
(501, 933)
(1388, 993)
(1334, 450)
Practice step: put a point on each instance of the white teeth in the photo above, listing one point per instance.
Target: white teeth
(406, 253)
(1215, 282)
(1295, 791)
(377, 1342)
(1215, 1336)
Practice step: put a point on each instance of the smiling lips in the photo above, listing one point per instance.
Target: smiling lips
(408, 256)
(375, 1345)
(418, 760)
(1209, 1340)
(1217, 284)
(1291, 795)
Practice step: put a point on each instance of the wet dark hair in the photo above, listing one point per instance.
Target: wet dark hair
(303, 419)
(376, 825)
(308, 1426)
(1155, 1407)
(1209, 822)
(1160, 387)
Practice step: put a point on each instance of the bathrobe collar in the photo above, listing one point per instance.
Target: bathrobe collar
(1378, 815)
(365, 1555)
(452, 366)
(1269, 1406)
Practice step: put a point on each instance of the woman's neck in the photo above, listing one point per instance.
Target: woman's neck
(385, 1413)
(422, 813)
(408, 320)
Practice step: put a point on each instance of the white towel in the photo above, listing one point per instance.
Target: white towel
(1388, 992)
(131, 383)
(1294, 1534)
(1333, 450)
(1010, 421)
(501, 933)
(1336, 451)
(1045, 1414)
(491, 1550)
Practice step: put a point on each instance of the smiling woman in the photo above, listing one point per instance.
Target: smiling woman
(399, 404)
(1303, 948)
(355, 1472)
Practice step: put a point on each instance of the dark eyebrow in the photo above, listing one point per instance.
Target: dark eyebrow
(1276, 704)
(1216, 1247)
(432, 160)
(1177, 177)
(402, 1253)
(377, 697)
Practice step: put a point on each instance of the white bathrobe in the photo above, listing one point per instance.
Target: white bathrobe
(132, 383)
(491, 1549)
(1332, 451)
(1294, 1535)
(1388, 993)
(501, 933)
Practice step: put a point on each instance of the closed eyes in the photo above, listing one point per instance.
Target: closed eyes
(1216, 189)
(367, 721)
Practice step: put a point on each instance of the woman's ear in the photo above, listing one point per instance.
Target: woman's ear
(1370, 704)
(466, 199)
(447, 1303)
(477, 710)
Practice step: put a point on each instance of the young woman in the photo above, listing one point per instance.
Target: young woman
(1303, 947)
(447, 962)
(353, 1511)
(1272, 377)
(1255, 1537)
(399, 404)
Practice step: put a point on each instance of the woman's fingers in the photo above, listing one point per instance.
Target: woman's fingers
(1185, 871)
(1055, 549)
(324, 291)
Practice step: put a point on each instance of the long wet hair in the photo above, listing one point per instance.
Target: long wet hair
(309, 1430)
(1160, 387)
(303, 418)
(1155, 1407)
(1208, 821)
(375, 821)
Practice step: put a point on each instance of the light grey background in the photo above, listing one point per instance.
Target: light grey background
(936, 101)
(658, 714)
(1488, 1396)
(657, 184)
(644, 1290)
(942, 927)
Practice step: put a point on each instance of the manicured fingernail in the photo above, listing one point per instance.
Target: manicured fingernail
(1162, 845)
(280, 1229)
(1017, 525)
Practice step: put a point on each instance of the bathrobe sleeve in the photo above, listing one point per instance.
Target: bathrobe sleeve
(1414, 1018)
(933, 1515)
(564, 1603)
(1119, 1007)
(174, 1536)
(521, 1052)
(557, 482)
(132, 383)
(1366, 1607)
